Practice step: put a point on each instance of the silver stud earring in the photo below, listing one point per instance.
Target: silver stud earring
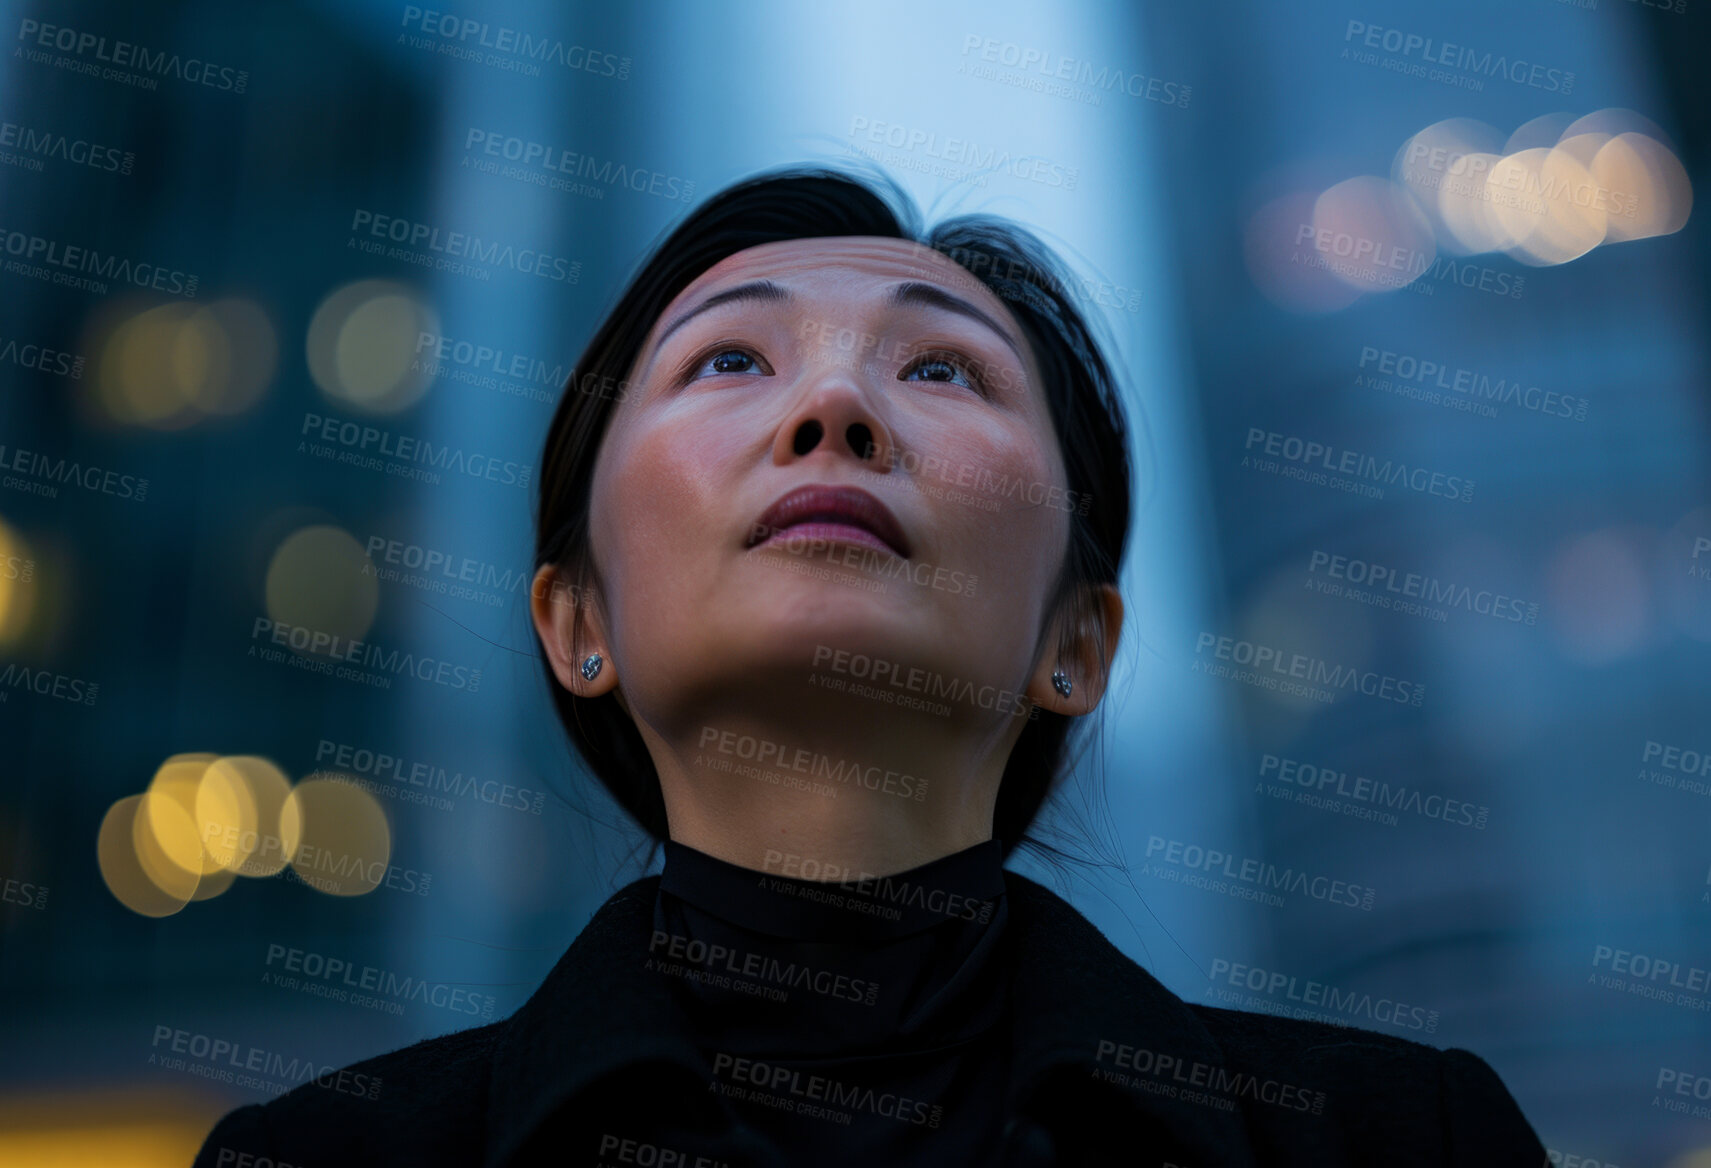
(1062, 683)
(591, 666)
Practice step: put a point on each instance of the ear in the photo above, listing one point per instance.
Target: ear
(1081, 644)
(555, 599)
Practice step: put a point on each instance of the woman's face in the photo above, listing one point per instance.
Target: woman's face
(882, 372)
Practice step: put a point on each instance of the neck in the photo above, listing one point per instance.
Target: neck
(837, 794)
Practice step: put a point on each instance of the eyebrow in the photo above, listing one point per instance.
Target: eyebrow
(910, 292)
(763, 290)
(931, 296)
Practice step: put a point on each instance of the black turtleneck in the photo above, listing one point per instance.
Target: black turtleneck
(859, 1021)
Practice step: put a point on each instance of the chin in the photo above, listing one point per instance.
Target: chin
(785, 623)
(827, 589)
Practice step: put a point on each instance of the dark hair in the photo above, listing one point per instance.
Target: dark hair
(809, 203)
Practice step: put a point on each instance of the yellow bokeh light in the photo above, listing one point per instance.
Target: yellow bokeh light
(369, 357)
(20, 585)
(140, 1126)
(363, 343)
(168, 851)
(178, 781)
(316, 581)
(343, 842)
(169, 366)
(213, 884)
(135, 376)
(123, 871)
(238, 805)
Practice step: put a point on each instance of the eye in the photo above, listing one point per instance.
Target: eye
(725, 360)
(942, 366)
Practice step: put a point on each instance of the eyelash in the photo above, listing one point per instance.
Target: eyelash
(963, 365)
(700, 362)
(956, 361)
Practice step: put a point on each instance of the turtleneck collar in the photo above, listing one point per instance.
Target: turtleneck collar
(886, 988)
(797, 900)
(780, 964)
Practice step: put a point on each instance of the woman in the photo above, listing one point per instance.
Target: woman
(831, 518)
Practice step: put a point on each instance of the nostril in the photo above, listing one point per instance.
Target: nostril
(807, 437)
(860, 439)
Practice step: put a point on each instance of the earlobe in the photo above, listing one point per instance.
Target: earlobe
(554, 606)
(1073, 682)
(595, 675)
(1054, 687)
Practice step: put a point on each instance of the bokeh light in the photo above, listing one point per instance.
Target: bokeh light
(238, 805)
(1444, 167)
(337, 836)
(1541, 200)
(1659, 197)
(19, 585)
(207, 819)
(1600, 596)
(316, 580)
(363, 345)
(172, 365)
(1283, 262)
(176, 784)
(1376, 235)
(1558, 187)
(158, 889)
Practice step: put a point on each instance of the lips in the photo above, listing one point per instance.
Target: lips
(830, 513)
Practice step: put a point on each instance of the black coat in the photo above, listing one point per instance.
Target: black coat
(1109, 1068)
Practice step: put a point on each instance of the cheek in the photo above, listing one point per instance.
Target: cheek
(654, 491)
(998, 513)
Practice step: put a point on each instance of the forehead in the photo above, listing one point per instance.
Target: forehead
(845, 265)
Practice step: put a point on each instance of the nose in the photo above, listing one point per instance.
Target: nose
(836, 416)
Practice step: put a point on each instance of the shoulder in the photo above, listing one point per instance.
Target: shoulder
(1339, 1058)
(1380, 1086)
(1342, 1087)
(421, 1104)
(1311, 1045)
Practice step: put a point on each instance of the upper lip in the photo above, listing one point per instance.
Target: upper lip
(848, 505)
